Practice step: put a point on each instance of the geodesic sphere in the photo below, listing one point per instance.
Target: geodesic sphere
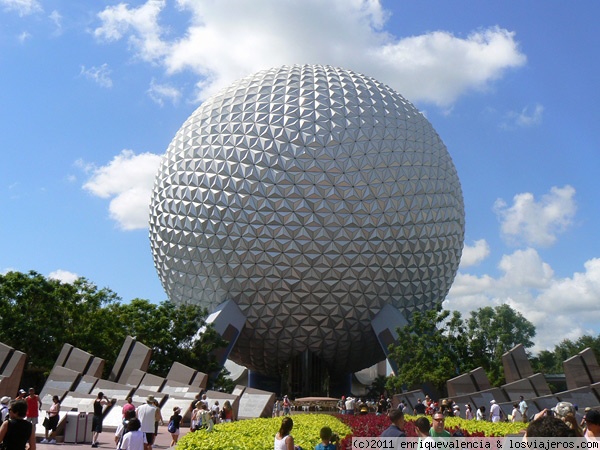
(311, 196)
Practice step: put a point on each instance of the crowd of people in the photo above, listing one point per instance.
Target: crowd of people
(560, 421)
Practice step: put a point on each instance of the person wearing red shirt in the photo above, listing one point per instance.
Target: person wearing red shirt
(34, 406)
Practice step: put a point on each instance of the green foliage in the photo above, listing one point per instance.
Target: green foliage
(493, 332)
(430, 350)
(39, 315)
(437, 345)
(258, 434)
(552, 361)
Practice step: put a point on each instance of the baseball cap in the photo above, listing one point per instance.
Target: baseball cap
(4, 400)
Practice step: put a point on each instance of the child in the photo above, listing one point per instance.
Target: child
(327, 437)
(134, 439)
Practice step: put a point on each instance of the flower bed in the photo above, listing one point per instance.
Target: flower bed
(258, 434)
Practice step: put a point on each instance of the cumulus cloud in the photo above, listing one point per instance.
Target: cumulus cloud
(160, 93)
(537, 222)
(525, 118)
(528, 284)
(99, 75)
(127, 180)
(473, 255)
(229, 39)
(22, 7)
(63, 276)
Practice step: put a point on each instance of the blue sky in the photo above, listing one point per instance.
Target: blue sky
(93, 92)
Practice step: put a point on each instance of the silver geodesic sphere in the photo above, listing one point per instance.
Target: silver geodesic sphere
(311, 196)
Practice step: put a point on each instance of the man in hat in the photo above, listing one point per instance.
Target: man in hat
(592, 425)
(4, 408)
(146, 413)
(495, 412)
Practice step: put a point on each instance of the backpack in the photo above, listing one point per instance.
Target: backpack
(171, 427)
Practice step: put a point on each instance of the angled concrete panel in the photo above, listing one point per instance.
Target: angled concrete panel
(133, 355)
(516, 364)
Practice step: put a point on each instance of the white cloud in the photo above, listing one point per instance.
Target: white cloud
(229, 39)
(56, 18)
(473, 255)
(558, 307)
(128, 181)
(25, 35)
(160, 93)
(63, 276)
(524, 118)
(527, 119)
(22, 7)
(140, 23)
(537, 223)
(99, 75)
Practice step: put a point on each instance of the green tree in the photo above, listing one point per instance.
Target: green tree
(39, 315)
(493, 332)
(552, 361)
(431, 349)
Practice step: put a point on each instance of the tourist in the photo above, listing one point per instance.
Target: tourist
(283, 439)
(437, 428)
(515, 415)
(214, 411)
(419, 408)
(16, 432)
(99, 403)
(195, 421)
(158, 419)
(341, 405)
(122, 427)
(468, 412)
(134, 439)
(350, 403)
(480, 415)
(4, 401)
(206, 416)
(34, 406)
(592, 428)
(174, 423)
(146, 414)
(546, 425)
(328, 440)
(227, 412)
(21, 395)
(287, 405)
(128, 406)
(566, 412)
(422, 427)
(381, 405)
(396, 429)
(523, 408)
(495, 412)
(51, 422)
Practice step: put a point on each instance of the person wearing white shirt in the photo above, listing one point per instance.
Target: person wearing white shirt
(146, 414)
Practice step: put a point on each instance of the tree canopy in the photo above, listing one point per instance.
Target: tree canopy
(39, 315)
(438, 345)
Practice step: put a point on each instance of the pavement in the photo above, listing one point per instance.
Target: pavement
(106, 441)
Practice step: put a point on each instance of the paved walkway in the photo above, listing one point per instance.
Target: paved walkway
(163, 441)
